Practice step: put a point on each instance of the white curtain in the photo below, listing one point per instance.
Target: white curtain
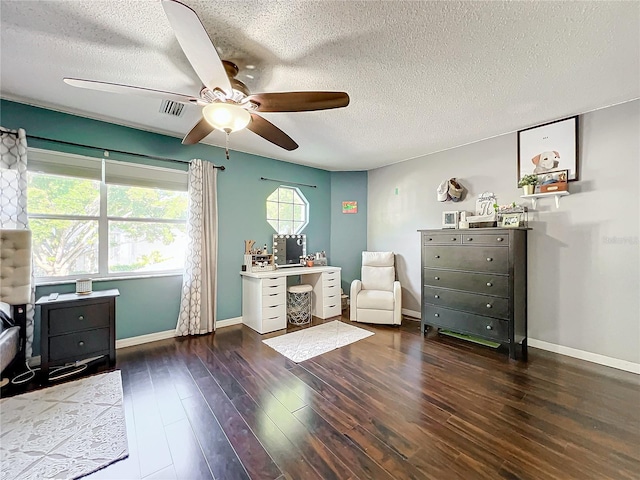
(198, 301)
(13, 200)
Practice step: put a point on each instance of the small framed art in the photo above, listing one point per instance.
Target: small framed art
(450, 219)
(349, 207)
(510, 220)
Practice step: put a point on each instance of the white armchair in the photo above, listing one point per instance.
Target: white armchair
(376, 298)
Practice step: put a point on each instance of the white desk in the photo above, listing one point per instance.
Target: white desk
(264, 295)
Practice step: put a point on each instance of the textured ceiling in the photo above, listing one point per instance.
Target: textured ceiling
(422, 76)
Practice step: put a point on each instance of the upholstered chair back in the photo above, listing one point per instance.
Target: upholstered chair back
(378, 271)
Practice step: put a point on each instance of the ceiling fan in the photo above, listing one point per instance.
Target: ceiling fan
(227, 103)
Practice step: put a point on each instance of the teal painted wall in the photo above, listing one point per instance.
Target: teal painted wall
(241, 207)
(348, 231)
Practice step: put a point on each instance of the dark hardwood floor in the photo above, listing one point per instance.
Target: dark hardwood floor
(391, 406)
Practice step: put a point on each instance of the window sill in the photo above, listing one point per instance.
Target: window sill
(70, 281)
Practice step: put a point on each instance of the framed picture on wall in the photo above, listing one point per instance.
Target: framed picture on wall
(549, 147)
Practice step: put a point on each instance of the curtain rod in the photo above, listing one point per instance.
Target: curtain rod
(153, 157)
(290, 183)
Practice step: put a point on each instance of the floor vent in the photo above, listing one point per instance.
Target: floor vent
(171, 108)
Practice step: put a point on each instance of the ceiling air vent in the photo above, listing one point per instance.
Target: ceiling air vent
(171, 108)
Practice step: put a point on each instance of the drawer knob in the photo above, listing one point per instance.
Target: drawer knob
(489, 284)
(437, 256)
(81, 344)
(488, 305)
(81, 317)
(453, 239)
(499, 239)
(437, 278)
(436, 314)
(489, 327)
(437, 296)
(489, 259)
(470, 239)
(429, 238)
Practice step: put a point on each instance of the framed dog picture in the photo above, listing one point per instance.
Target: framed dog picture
(510, 220)
(549, 147)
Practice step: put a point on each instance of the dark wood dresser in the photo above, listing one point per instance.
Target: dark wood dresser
(77, 327)
(474, 281)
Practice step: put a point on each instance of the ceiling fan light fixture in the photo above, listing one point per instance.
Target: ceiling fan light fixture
(226, 117)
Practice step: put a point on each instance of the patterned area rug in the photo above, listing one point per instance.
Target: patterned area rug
(310, 342)
(65, 431)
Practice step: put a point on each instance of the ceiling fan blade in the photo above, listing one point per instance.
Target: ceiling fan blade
(117, 88)
(197, 45)
(299, 101)
(198, 132)
(271, 133)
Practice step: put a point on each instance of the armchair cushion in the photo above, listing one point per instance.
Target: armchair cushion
(375, 300)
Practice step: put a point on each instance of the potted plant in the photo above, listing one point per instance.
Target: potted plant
(528, 183)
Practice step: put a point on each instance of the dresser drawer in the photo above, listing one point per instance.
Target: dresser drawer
(486, 239)
(486, 283)
(79, 345)
(441, 238)
(474, 259)
(274, 299)
(78, 317)
(469, 302)
(463, 322)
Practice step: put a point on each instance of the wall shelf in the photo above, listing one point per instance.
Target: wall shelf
(535, 196)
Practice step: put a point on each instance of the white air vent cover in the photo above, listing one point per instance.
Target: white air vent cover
(171, 108)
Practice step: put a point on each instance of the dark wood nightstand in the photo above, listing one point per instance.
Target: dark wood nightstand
(77, 327)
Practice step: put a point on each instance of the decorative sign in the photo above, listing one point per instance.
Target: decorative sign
(484, 204)
(349, 207)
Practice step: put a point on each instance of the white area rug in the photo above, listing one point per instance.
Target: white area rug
(310, 342)
(65, 431)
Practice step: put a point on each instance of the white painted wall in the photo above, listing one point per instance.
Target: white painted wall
(584, 261)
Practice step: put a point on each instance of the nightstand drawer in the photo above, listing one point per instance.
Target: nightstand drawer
(469, 302)
(78, 317)
(79, 345)
(487, 283)
(463, 322)
(474, 259)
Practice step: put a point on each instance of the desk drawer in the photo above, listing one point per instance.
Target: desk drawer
(332, 310)
(486, 283)
(274, 282)
(271, 288)
(335, 275)
(78, 317)
(79, 345)
(474, 259)
(274, 299)
(463, 322)
(469, 302)
(331, 290)
(273, 311)
(275, 323)
(486, 239)
(441, 238)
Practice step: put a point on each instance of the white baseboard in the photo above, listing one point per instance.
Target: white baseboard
(588, 356)
(412, 313)
(150, 337)
(228, 322)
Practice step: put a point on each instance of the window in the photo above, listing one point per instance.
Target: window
(99, 217)
(287, 210)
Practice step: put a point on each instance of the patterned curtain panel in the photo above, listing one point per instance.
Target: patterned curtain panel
(13, 199)
(198, 302)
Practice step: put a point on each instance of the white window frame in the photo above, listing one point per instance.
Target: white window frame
(305, 202)
(73, 161)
